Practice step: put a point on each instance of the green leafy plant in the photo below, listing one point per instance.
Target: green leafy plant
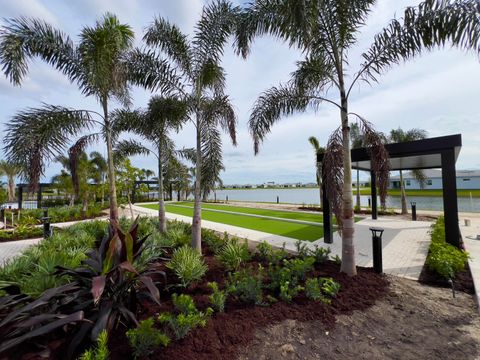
(444, 258)
(217, 298)
(320, 254)
(278, 255)
(100, 351)
(329, 286)
(288, 291)
(337, 259)
(264, 250)
(302, 249)
(187, 263)
(187, 317)
(299, 267)
(246, 285)
(145, 338)
(213, 241)
(312, 289)
(233, 254)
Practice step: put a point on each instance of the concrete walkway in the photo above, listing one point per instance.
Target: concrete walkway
(472, 245)
(405, 243)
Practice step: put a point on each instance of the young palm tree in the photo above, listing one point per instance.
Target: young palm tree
(100, 172)
(203, 77)
(164, 115)
(11, 171)
(325, 31)
(100, 64)
(318, 150)
(397, 136)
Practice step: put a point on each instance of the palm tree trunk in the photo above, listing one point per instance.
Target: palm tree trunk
(348, 248)
(319, 181)
(111, 168)
(197, 208)
(11, 189)
(103, 189)
(162, 221)
(403, 195)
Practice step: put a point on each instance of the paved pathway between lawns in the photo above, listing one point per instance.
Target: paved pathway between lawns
(405, 243)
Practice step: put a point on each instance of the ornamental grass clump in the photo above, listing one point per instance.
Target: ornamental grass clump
(188, 265)
(321, 289)
(144, 339)
(100, 351)
(233, 254)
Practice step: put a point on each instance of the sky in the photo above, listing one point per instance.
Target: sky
(438, 92)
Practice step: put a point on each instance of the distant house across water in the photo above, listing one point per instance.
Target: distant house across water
(466, 179)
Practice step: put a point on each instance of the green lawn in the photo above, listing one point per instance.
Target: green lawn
(317, 218)
(276, 227)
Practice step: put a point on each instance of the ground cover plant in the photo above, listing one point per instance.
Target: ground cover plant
(207, 304)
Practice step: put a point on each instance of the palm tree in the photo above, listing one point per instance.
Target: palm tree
(325, 31)
(100, 172)
(100, 64)
(164, 115)
(318, 150)
(397, 136)
(203, 77)
(11, 170)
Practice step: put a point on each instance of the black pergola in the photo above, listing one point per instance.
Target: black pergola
(440, 152)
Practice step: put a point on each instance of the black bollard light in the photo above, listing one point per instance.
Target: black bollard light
(47, 231)
(369, 202)
(414, 210)
(226, 198)
(377, 249)
(278, 199)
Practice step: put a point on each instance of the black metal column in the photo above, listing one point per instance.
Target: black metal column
(39, 197)
(373, 185)
(20, 197)
(327, 218)
(450, 206)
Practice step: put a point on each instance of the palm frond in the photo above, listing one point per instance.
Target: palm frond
(212, 160)
(24, 38)
(169, 39)
(126, 148)
(74, 153)
(433, 24)
(219, 110)
(314, 73)
(147, 69)
(270, 107)
(36, 135)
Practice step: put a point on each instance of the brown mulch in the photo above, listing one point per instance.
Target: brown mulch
(463, 281)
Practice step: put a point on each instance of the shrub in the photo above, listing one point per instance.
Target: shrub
(145, 338)
(278, 255)
(312, 289)
(246, 285)
(319, 253)
(337, 260)
(329, 287)
(188, 265)
(443, 258)
(217, 298)
(188, 317)
(299, 267)
(264, 251)
(178, 237)
(233, 254)
(288, 291)
(302, 249)
(213, 241)
(100, 352)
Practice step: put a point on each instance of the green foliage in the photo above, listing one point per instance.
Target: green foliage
(444, 258)
(100, 352)
(319, 253)
(233, 254)
(21, 232)
(187, 317)
(246, 285)
(329, 286)
(213, 241)
(337, 260)
(264, 251)
(178, 237)
(288, 291)
(217, 298)
(312, 289)
(188, 265)
(145, 338)
(299, 267)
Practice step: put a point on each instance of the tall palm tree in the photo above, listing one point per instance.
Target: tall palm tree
(318, 150)
(11, 171)
(164, 115)
(100, 64)
(325, 31)
(199, 61)
(397, 136)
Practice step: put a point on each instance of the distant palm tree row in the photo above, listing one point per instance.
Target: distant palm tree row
(186, 73)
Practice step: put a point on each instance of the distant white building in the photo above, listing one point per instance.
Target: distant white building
(466, 179)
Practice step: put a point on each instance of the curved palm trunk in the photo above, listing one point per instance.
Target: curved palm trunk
(197, 208)
(11, 189)
(111, 169)
(348, 248)
(403, 195)
(162, 221)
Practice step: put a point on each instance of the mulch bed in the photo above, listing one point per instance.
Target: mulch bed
(463, 281)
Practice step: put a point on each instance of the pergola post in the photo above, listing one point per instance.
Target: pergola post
(20, 197)
(373, 187)
(450, 206)
(327, 217)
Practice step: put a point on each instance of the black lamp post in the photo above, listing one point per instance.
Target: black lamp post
(414, 210)
(47, 231)
(377, 249)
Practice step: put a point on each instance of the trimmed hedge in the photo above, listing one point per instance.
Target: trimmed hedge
(443, 258)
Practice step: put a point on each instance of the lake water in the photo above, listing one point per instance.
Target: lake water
(311, 196)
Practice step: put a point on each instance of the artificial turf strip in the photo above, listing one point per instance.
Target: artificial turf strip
(303, 216)
(276, 227)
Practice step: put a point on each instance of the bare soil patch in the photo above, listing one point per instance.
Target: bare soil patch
(413, 321)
